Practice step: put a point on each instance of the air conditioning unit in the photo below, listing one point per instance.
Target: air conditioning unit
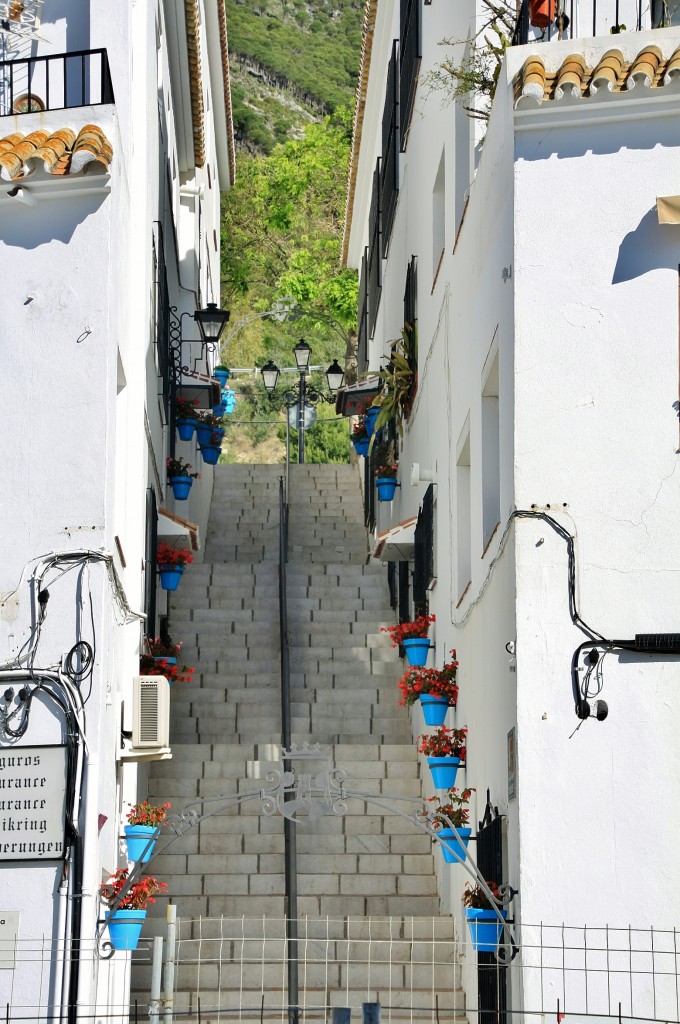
(150, 713)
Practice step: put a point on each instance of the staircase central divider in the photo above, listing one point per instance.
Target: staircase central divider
(289, 835)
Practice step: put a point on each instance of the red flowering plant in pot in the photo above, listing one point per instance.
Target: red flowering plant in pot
(167, 555)
(387, 472)
(150, 666)
(452, 809)
(137, 897)
(359, 431)
(444, 743)
(163, 647)
(475, 897)
(178, 467)
(418, 629)
(434, 682)
(145, 813)
(186, 408)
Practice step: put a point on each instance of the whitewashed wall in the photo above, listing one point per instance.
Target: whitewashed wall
(560, 270)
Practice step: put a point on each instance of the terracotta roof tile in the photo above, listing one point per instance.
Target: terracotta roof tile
(61, 152)
(193, 21)
(612, 75)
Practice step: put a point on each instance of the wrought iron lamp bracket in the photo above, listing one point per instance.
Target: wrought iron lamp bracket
(178, 361)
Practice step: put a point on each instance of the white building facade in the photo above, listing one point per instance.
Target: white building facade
(542, 276)
(115, 141)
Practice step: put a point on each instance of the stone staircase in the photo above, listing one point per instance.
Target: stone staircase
(363, 875)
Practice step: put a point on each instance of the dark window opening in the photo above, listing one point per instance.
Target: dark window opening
(374, 253)
(423, 551)
(389, 188)
(409, 62)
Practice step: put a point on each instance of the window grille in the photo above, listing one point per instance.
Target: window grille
(423, 551)
(404, 609)
(150, 545)
(362, 324)
(409, 62)
(411, 324)
(162, 310)
(491, 977)
(389, 188)
(369, 494)
(374, 253)
(392, 584)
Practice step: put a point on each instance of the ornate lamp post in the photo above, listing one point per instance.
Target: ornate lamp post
(301, 398)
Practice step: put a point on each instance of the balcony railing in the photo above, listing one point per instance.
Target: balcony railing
(77, 79)
(572, 19)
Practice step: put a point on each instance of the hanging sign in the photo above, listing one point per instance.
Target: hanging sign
(32, 802)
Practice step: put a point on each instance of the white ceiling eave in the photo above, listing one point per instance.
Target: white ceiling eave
(176, 35)
(217, 86)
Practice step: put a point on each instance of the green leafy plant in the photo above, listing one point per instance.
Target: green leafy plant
(398, 381)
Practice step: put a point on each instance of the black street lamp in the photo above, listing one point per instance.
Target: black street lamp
(301, 399)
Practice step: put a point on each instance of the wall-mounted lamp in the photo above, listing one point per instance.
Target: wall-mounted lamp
(211, 321)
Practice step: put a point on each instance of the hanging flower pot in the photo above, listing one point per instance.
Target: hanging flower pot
(361, 445)
(220, 410)
(416, 650)
(140, 840)
(444, 771)
(211, 453)
(170, 576)
(452, 846)
(125, 927)
(386, 485)
(485, 928)
(185, 429)
(181, 485)
(434, 708)
(541, 13)
(222, 375)
(160, 660)
(370, 416)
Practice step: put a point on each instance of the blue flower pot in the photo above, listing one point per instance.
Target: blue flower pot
(444, 771)
(416, 651)
(137, 838)
(370, 417)
(434, 708)
(181, 485)
(386, 485)
(211, 453)
(452, 846)
(170, 576)
(125, 927)
(204, 433)
(222, 376)
(361, 446)
(485, 929)
(185, 429)
(220, 410)
(168, 661)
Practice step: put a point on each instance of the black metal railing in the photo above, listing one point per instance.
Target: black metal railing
(409, 62)
(362, 319)
(491, 977)
(374, 252)
(78, 79)
(289, 833)
(389, 187)
(571, 19)
(162, 317)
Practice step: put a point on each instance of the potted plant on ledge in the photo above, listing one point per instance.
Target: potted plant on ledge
(221, 373)
(483, 917)
(171, 564)
(143, 828)
(162, 648)
(450, 821)
(180, 477)
(445, 750)
(435, 688)
(210, 429)
(413, 637)
(126, 920)
(386, 481)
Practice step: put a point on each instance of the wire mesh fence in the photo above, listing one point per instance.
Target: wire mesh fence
(235, 969)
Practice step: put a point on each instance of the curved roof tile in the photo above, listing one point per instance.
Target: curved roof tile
(576, 80)
(57, 153)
